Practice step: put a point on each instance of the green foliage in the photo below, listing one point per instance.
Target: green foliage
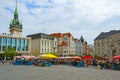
(36, 53)
(96, 55)
(76, 55)
(10, 52)
(87, 54)
(80, 55)
(54, 53)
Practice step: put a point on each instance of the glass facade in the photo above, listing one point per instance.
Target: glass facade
(26, 44)
(4, 43)
(19, 44)
(0, 43)
(9, 42)
(23, 44)
(14, 41)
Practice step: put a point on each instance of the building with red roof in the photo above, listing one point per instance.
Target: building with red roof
(66, 44)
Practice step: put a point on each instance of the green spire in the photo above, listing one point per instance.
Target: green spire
(16, 12)
(15, 22)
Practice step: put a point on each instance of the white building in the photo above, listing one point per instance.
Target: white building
(43, 43)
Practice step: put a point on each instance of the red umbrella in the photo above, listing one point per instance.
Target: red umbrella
(116, 57)
(87, 57)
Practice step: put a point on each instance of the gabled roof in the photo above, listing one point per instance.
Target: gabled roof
(104, 35)
(63, 44)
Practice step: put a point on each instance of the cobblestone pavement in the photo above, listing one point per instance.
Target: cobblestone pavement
(55, 72)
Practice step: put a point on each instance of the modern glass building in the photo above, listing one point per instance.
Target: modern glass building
(20, 44)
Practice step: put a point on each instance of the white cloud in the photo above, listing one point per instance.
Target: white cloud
(80, 17)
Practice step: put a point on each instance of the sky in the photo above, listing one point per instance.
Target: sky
(79, 17)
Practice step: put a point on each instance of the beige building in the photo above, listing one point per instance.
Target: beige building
(43, 43)
(107, 44)
(66, 44)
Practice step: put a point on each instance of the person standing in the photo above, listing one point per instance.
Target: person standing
(2, 61)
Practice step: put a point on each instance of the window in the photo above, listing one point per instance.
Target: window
(42, 49)
(26, 44)
(45, 43)
(23, 45)
(4, 42)
(18, 44)
(14, 41)
(9, 42)
(42, 43)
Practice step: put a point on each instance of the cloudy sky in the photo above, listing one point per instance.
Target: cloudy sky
(79, 17)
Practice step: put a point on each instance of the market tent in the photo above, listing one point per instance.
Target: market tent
(48, 56)
(116, 57)
(87, 57)
(100, 58)
(64, 57)
(19, 57)
(28, 57)
(76, 58)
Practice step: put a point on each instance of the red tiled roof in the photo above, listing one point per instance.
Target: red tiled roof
(62, 34)
(63, 44)
(68, 34)
(57, 34)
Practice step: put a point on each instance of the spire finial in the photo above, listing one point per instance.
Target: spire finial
(16, 3)
(16, 12)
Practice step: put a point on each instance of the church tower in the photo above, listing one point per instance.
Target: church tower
(15, 25)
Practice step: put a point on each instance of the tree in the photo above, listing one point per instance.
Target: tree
(87, 54)
(36, 53)
(10, 52)
(96, 55)
(55, 53)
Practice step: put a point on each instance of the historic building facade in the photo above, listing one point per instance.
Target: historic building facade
(78, 47)
(107, 44)
(62, 43)
(15, 40)
(43, 43)
(65, 44)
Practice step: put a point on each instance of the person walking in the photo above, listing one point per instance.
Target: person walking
(2, 61)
